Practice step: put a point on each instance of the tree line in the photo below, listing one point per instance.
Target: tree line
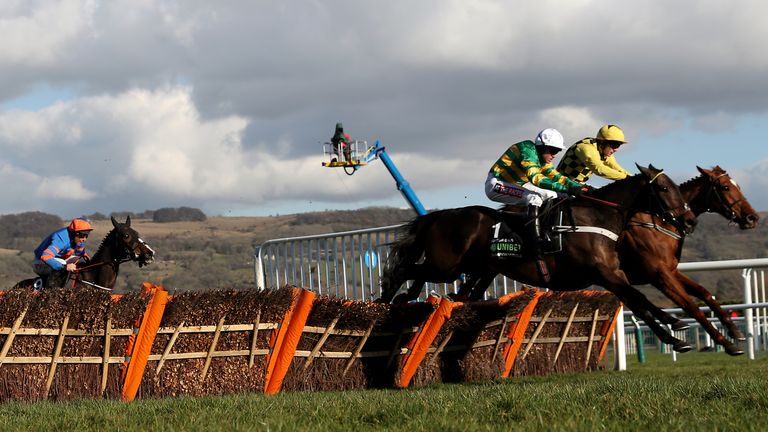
(16, 227)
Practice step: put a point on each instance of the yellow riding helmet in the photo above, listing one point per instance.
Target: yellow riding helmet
(80, 224)
(611, 133)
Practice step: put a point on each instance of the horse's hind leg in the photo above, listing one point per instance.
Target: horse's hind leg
(478, 291)
(392, 281)
(674, 322)
(412, 294)
(465, 288)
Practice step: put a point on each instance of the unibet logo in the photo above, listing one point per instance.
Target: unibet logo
(506, 247)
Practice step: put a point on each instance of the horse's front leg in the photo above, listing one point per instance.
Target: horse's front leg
(616, 282)
(690, 287)
(698, 291)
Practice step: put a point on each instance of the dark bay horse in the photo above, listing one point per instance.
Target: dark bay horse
(457, 241)
(649, 250)
(120, 245)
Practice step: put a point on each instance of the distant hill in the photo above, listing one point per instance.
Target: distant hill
(218, 251)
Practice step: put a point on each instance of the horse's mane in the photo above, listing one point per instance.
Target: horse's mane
(689, 181)
(716, 169)
(103, 242)
(618, 183)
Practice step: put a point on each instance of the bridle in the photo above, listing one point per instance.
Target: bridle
(668, 215)
(131, 252)
(714, 188)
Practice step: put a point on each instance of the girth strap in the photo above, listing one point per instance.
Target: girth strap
(587, 229)
(658, 228)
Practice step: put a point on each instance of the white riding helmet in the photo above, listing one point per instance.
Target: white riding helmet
(550, 138)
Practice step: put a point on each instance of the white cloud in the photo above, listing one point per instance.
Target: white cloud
(26, 190)
(754, 182)
(37, 33)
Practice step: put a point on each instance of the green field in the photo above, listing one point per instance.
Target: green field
(701, 391)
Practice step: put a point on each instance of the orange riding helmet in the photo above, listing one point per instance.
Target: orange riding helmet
(79, 224)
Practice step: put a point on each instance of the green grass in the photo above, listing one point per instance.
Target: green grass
(701, 391)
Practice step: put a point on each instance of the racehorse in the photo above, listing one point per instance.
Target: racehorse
(650, 249)
(456, 241)
(120, 245)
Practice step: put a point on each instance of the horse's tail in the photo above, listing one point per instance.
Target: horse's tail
(407, 250)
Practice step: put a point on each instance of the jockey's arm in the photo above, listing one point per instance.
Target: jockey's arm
(539, 177)
(590, 156)
(611, 163)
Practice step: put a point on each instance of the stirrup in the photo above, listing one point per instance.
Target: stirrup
(541, 265)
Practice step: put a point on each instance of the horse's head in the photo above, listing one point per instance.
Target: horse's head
(724, 197)
(666, 199)
(135, 248)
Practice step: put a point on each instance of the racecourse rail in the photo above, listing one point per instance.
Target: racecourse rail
(349, 265)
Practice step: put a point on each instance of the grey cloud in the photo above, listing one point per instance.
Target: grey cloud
(439, 80)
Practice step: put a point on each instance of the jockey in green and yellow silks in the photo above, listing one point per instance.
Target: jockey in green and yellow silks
(524, 175)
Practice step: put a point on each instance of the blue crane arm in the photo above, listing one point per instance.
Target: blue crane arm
(377, 151)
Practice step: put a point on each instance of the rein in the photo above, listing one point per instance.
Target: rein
(603, 202)
(672, 213)
(711, 189)
(115, 263)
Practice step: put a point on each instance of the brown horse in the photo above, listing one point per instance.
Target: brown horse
(650, 251)
(120, 245)
(457, 241)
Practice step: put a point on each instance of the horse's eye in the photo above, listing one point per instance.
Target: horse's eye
(126, 236)
(725, 188)
(664, 189)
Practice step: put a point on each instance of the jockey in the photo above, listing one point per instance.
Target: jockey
(524, 175)
(595, 155)
(51, 255)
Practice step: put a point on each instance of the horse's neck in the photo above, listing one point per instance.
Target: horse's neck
(104, 265)
(627, 195)
(624, 193)
(695, 193)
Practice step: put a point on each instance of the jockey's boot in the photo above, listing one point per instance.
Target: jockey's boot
(40, 283)
(537, 242)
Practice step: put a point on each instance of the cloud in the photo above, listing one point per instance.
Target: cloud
(37, 33)
(754, 183)
(24, 190)
(200, 103)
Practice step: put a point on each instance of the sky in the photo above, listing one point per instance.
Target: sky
(110, 106)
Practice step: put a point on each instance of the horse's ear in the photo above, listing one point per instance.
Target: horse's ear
(702, 170)
(128, 220)
(643, 170)
(653, 168)
(114, 221)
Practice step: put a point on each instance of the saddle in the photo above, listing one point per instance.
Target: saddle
(510, 237)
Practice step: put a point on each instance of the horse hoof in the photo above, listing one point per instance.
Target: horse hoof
(682, 346)
(733, 350)
(680, 325)
(738, 335)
